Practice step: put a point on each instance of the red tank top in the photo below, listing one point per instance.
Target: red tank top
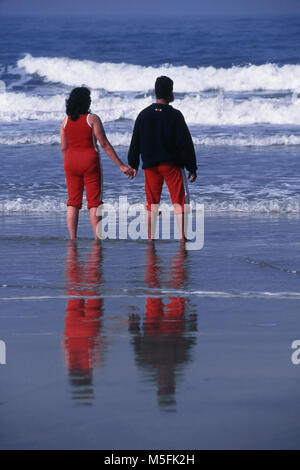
(80, 134)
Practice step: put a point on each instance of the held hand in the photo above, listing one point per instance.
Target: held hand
(192, 176)
(128, 171)
(133, 173)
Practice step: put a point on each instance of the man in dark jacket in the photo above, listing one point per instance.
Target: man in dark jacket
(162, 139)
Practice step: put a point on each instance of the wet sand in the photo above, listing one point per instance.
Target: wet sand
(127, 345)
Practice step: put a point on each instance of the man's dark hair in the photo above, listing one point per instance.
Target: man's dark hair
(164, 88)
(78, 102)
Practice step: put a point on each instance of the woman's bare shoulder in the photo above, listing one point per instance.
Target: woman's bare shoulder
(63, 124)
(93, 118)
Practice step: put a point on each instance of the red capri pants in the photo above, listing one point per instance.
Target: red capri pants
(176, 181)
(82, 170)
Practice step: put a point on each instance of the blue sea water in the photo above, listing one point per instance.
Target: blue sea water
(236, 81)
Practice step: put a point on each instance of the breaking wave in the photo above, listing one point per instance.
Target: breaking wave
(123, 139)
(197, 109)
(129, 77)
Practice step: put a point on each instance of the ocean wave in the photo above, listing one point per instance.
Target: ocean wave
(129, 77)
(123, 139)
(52, 204)
(39, 204)
(217, 110)
(20, 106)
(248, 141)
(286, 206)
(223, 111)
(116, 138)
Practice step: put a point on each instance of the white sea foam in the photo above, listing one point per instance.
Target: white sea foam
(182, 293)
(248, 140)
(290, 205)
(197, 109)
(116, 138)
(20, 106)
(227, 111)
(40, 204)
(128, 77)
(30, 139)
(123, 139)
(46, 204)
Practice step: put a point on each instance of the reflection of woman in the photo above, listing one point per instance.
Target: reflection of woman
(79, 133)
(83, 345)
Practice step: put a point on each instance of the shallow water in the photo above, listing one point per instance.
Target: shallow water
(172, 349)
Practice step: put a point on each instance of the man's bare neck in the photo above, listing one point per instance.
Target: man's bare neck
(162, 101)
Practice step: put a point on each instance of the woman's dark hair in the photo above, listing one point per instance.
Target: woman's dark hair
(78, 102)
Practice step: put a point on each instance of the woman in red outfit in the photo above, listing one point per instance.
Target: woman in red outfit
(79, 133)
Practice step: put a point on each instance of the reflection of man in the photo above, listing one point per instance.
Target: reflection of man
(163, 140)
(82, 343)
(163, 346)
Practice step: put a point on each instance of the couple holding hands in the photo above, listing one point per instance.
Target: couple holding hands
(160, 137)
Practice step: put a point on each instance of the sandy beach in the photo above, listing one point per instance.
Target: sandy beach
(199, 341)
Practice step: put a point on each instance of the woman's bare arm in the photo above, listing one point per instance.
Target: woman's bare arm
(63, 138)
(100, 135)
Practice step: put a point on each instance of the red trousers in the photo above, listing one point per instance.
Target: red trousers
(175, 180)
(82, 170)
